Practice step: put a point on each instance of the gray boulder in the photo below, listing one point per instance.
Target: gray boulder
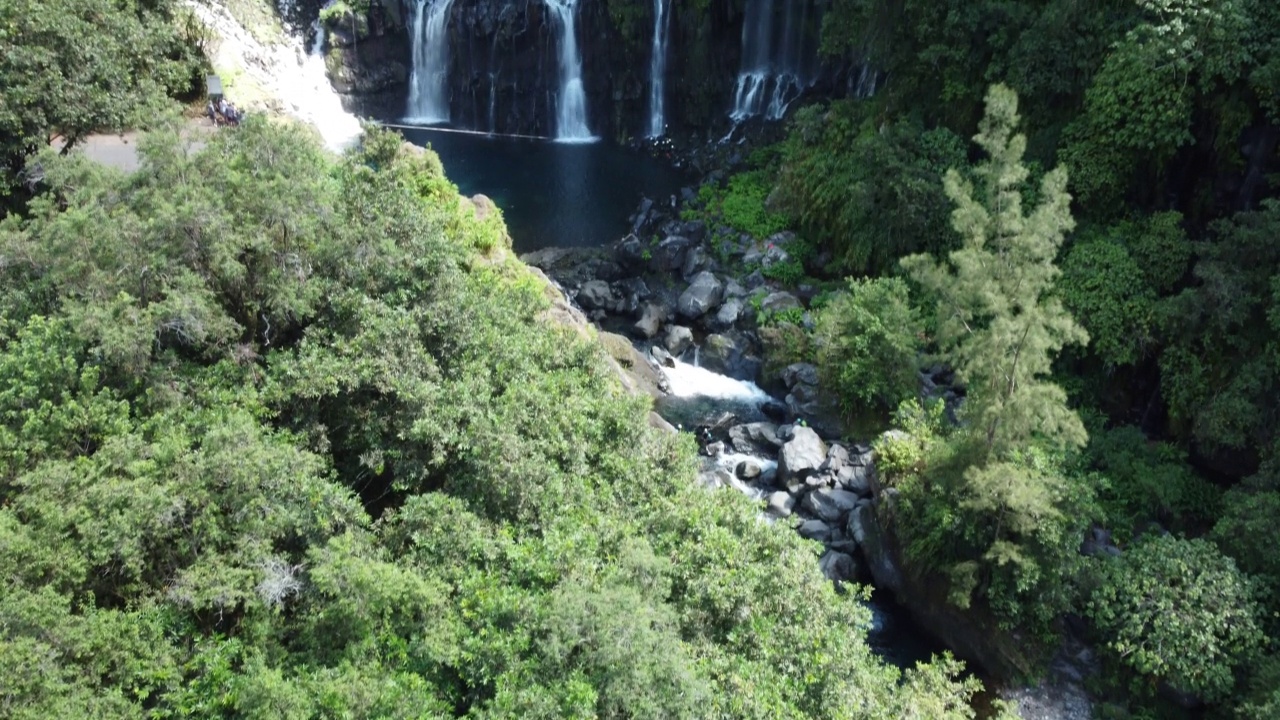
(651, 320)
(678, 339)
(855, 478)
(755, 438)
(837, 458)
(780, 302)
(800, 374)
(829, 503)
(728, 313)
(596, 295)
(814, 530)
(779, 504)
(724, 354)
(802, 455)
(838, 566)
(748, 470)
(703, 294)
(671, 253)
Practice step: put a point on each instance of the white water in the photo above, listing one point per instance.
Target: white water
(428, 83)
(658, 69)
(571, 104)
(773, 73)
(288, 72)
(692, 381)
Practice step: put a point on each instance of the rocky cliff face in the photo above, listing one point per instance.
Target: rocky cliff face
(503, 70)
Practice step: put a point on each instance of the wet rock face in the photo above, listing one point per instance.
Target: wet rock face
(504, 63)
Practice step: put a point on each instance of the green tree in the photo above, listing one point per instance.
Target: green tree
(1178, 611)
(998, 322)
(866, 342)
(1000, 326)
(73, 67)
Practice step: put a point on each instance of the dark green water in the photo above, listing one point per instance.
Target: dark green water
(554, 194)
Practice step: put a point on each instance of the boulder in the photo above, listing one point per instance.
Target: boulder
(722, 353)
(651, 319)
(838, 566)
(755, 438)
(800, 373)
(678, 339)
(779, 302)
(814, 530)
(596, 295)
(830, 504)
(855, 478)
(670, 253)
(802, 455)
(779, 504)
(661, 356)
(837, 458)
(703, 294)
(694, 260)
(728, 314)
(865, 529)
(748, 470)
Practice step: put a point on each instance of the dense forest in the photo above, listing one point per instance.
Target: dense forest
(285, 434)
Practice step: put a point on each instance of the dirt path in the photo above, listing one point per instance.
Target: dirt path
(121, 150)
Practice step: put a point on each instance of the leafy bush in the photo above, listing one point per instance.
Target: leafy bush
(741, 205)
(1177, 611)
(867, 340)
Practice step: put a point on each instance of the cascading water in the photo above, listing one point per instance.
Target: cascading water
(571, 105)
(658, 69)
(428, 83)
(774, 59)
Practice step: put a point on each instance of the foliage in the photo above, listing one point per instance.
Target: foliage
(867, 340)
(1177, 611)
(278, 440)
(1105, 289)
(1141, 480)
(1222, 358)
(742, 205)
(73, 67)
(870, 195)
(999, 327)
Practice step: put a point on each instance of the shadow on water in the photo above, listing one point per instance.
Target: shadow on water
(553, 194)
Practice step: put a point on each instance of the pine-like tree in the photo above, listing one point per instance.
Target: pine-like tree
(1000, 327)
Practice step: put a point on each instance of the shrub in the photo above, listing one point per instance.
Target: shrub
(866, 341)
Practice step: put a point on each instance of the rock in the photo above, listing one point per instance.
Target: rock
(875, 548)
(773, 255)
(780, 302)
(670, 253)
(748, 470)
(702, 295)
(728, 314)
(694, 260)
(814, 530)
(637, 374)
(755, 438)
(661, 356)
(779, 504)
(774, 410)
(797, 373)
(838, 566)
(714, 449)
(678, 339)
(596, 295)
(714, 479)
(722, 353)
(660, 423)
(642, 215)
(734, 290)
(754, 280)
(802, 455)
(837, 458)
(631, 253)
(650, 322)
(855, 479)
(830, 504)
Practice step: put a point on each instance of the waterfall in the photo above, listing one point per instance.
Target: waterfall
(493, 102)
(428, 83)
(658, 69)
(773, 71)
(571, 105)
